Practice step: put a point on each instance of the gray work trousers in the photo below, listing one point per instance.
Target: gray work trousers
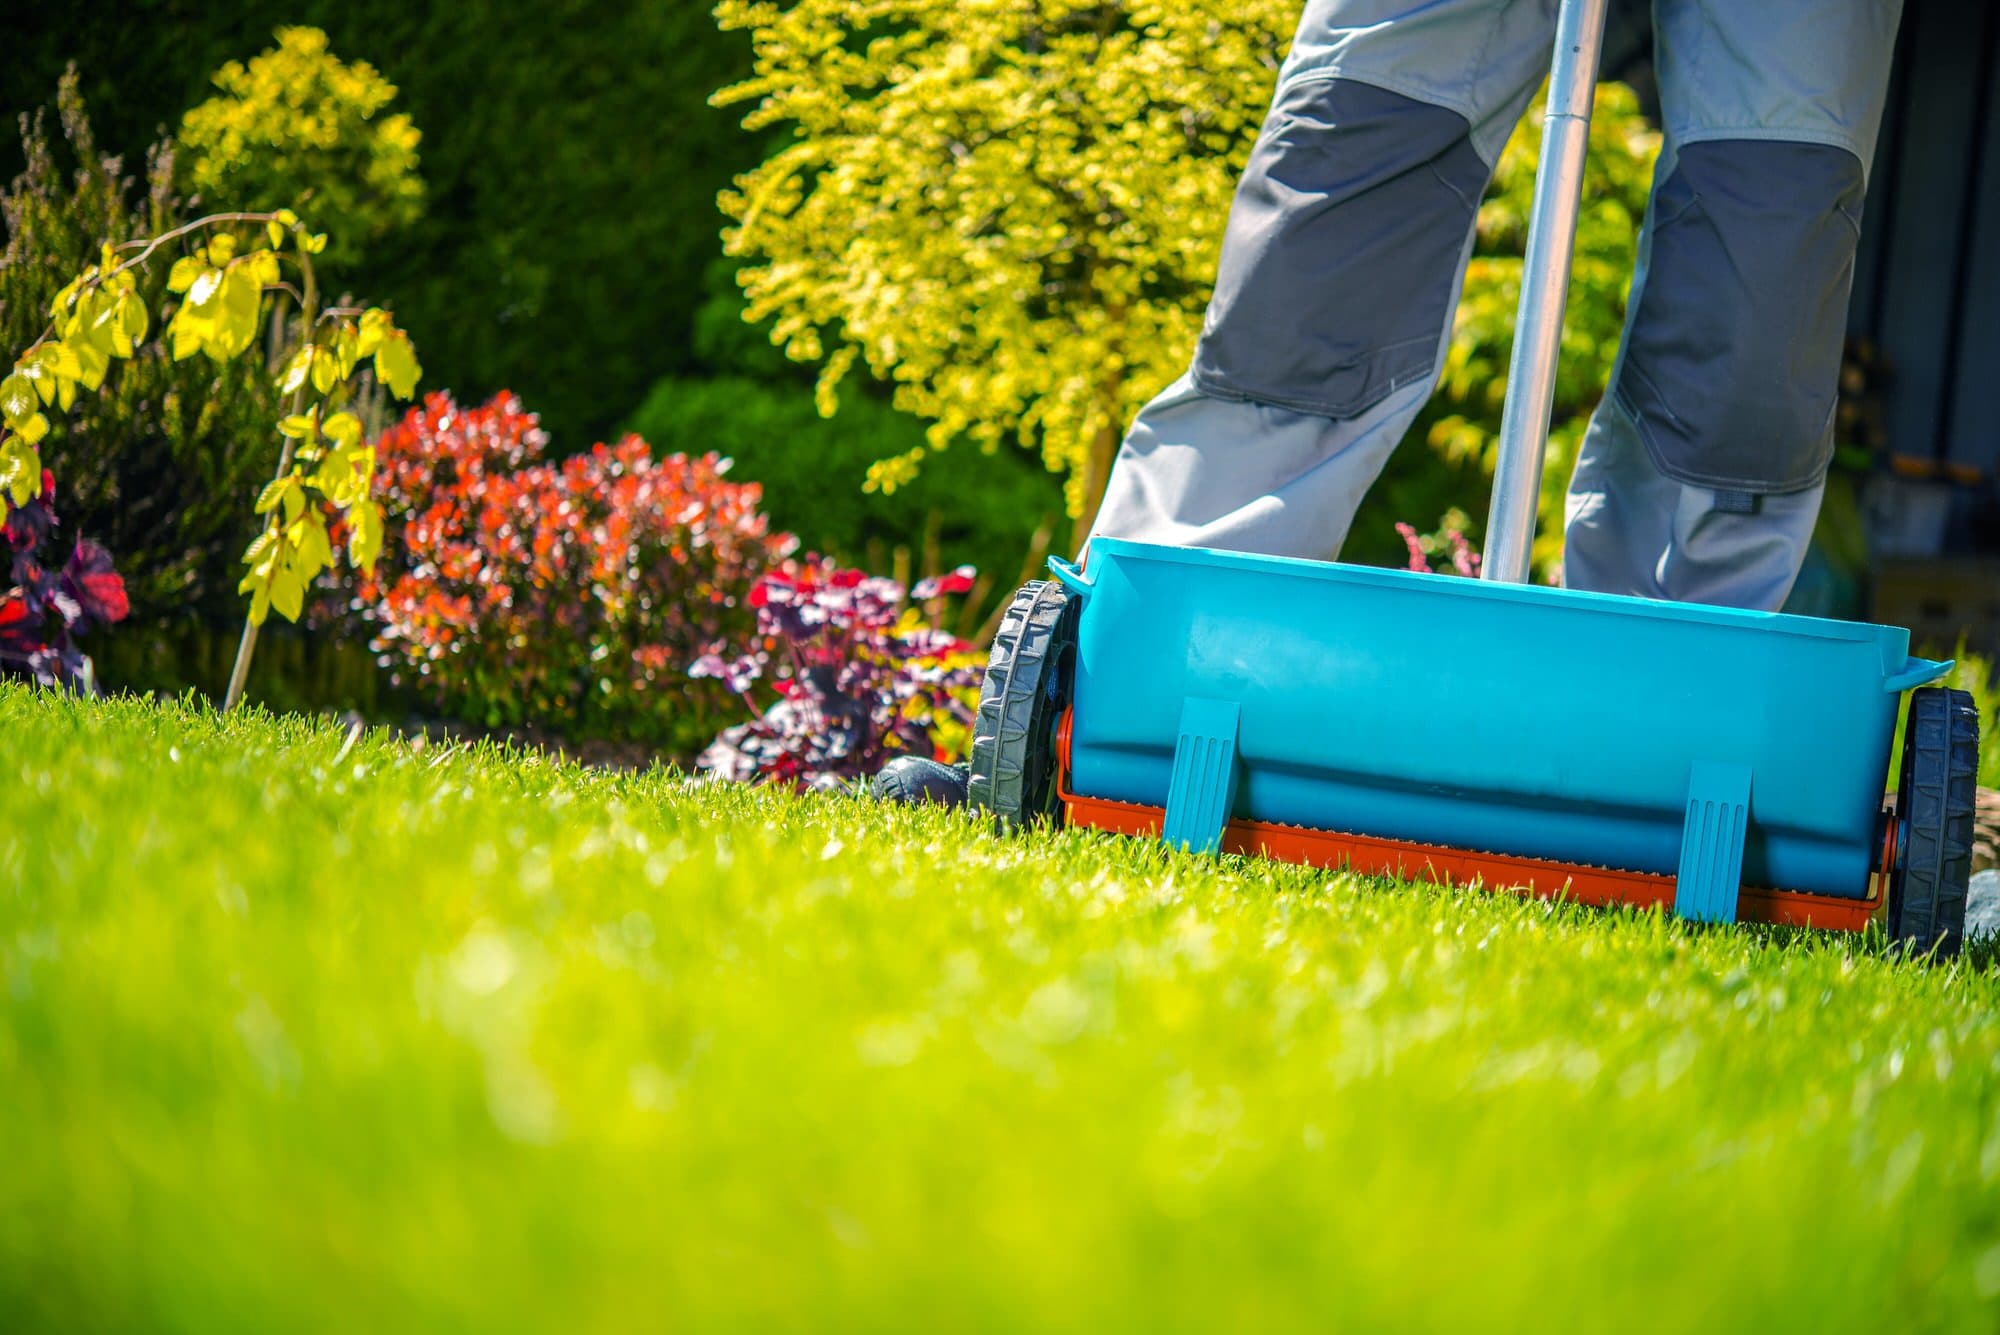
(1700, 475)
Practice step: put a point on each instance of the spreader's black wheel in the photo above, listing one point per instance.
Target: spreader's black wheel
(1020, 702)
(1935, 799)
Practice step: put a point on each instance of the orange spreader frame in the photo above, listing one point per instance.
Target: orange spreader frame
(1599, 886)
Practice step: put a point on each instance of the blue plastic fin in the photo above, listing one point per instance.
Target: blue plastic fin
(1718, 819)
(1069, 576)
(1204, 783)
(1917, 672)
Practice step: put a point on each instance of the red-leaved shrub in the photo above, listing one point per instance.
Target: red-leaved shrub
(571, 595)
(850, 676)
(47, 606)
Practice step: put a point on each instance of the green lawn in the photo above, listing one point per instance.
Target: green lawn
(300, 1037)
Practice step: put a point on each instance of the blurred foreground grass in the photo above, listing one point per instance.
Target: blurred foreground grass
(296, 1039)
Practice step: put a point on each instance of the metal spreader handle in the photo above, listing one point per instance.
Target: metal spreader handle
(1531, 373)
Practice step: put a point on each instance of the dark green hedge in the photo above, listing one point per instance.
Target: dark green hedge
(571, 158)
(984, 507)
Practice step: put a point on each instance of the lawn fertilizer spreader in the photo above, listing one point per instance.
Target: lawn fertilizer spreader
(1721, 763)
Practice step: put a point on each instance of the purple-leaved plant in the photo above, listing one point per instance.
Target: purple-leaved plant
(48, 606)
(852, 680)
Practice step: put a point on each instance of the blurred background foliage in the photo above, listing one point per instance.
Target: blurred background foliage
(298, 127)
(156, 465)
(982, 506)
(541, 199)
(984, 510)
(538, 196)
(1009, 213)
(570, 163)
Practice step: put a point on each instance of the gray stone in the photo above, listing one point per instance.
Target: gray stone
(1982, 904)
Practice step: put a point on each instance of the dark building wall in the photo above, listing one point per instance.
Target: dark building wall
(1927, 279)
(1927, 283)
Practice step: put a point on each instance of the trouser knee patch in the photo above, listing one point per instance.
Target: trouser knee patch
(1732, 364)
(1338, 267)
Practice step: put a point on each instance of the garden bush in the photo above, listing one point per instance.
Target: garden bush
(1017, 277)
(570, 159)
(157, 464)
(1110, 215)
(48, 606)
(983, 506)
(868, 252)
(853, 676)
(299, 127)
(573, 595)
(224, 272)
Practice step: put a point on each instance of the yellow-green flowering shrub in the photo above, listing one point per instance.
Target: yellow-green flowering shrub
(1010, 212)
(297, 125)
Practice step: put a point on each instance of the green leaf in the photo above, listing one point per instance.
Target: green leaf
(92, 361)
(343, 428)
(288, 594)
(62, 359)
(31, 428)
(17, 398)
(184, 273)
(276, 231)
(345, 343)
(43, 380)
(375, 326)
(188, 331)
(20, 470)
(296, 370)
(396, 363)
(364, 534)
(298, 426)
(59, 307)
(240, 305)
(315, 548)
(206, 287)
(256, 551)
(273, 492)
(103, 314)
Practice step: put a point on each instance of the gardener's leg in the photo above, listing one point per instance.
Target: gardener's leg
(1344, 255)
(1701, 474)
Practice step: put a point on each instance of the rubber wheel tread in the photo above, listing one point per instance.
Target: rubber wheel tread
(1024, 690)
(1936, 796)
